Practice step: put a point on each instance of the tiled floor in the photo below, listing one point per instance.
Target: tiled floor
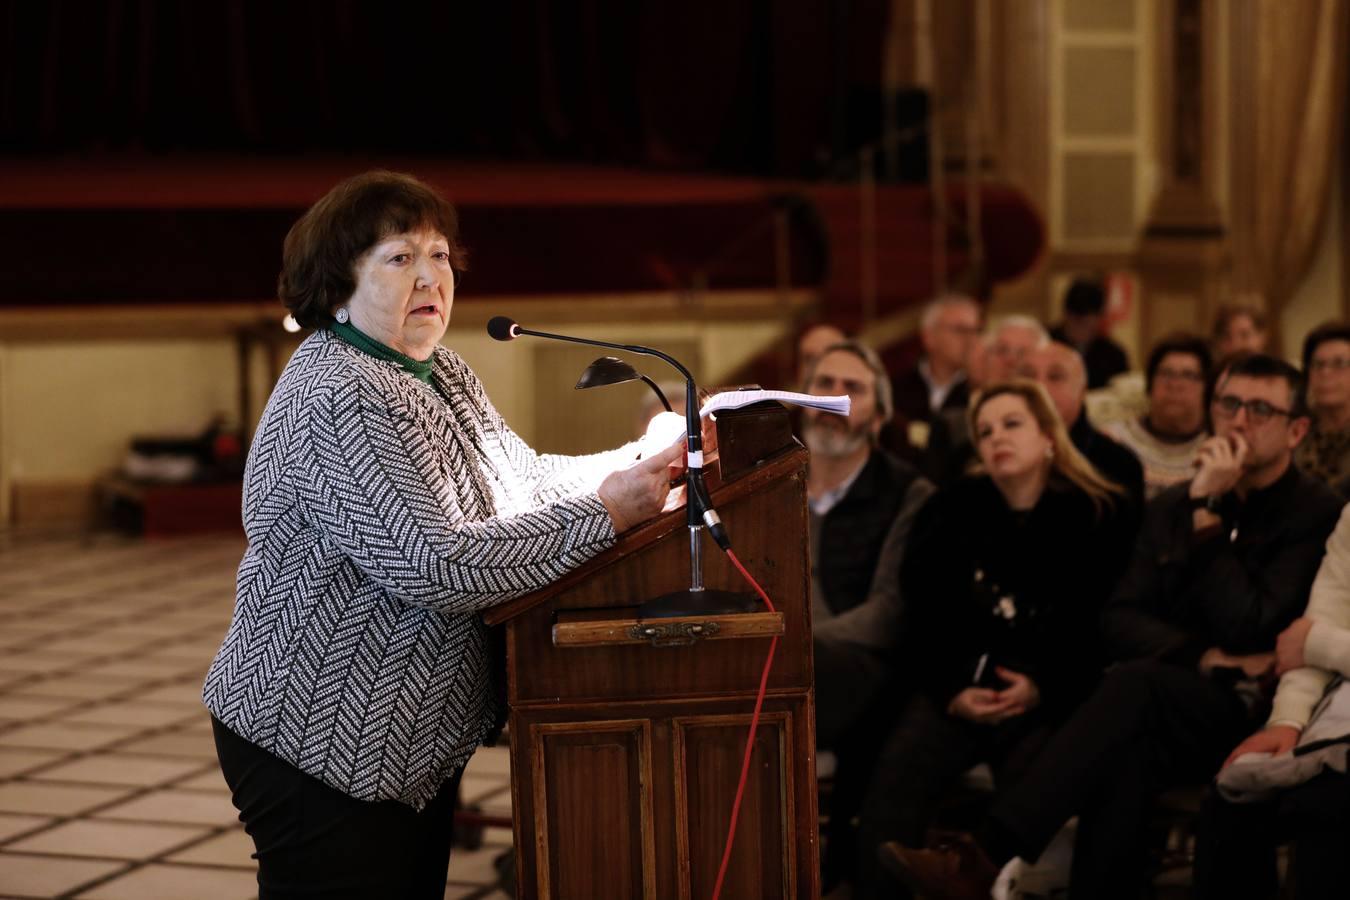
(108, 783)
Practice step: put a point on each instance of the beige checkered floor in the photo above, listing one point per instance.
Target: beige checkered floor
(109, 788)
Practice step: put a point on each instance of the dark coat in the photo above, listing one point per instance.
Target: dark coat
(1235, 587)
(1056, 564)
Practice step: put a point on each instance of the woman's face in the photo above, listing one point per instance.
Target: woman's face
(404, 290)
(1242, 335)
(1010, 441)
(1329, 375)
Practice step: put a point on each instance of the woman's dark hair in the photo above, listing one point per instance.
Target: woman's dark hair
(1180, 342)
(318, 262)
(1327, 331)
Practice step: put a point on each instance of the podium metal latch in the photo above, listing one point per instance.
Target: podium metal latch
(674, 634)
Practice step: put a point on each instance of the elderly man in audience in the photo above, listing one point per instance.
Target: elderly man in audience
(1223, 564)
(1326, 360)
(937, 382)
(1060, 370)
(1011, 341)
(1235, 849)
(1167, 438)
(862, 501)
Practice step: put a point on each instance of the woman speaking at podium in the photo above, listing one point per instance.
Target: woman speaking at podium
(386, 503)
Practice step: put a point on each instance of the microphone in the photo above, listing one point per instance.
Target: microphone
(701, 514)
(502, 329)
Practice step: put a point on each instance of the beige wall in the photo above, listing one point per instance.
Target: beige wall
(1318, 298)
(68, 409)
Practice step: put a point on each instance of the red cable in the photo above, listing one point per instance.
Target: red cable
(750, 739)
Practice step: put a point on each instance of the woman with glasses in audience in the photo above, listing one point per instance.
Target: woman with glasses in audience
(1325, 453)
(1004, 578)
(1167, 437)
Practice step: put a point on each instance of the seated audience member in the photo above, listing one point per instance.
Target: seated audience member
(1236, 843)
(1239, 328)
(1167, 437)
(996, 356)
(1059, 369)
(814, 341)
(1003, 579)
(1223, 564)
(1081, 329)
(1010, 341)
(862, 502)
(1325, 453)
(937, 382)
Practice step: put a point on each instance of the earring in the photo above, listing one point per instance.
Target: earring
(1049, 452)
(342, 316)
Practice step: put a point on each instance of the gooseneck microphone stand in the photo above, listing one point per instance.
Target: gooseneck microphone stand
(700, 513)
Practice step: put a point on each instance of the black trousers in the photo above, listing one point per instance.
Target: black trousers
(1236, 843)
(314, 841)
(1148, 726)
(924, 755)
(857, 701)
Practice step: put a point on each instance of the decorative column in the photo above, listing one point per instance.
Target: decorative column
(1182, 259)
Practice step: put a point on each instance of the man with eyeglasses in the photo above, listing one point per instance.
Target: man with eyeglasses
(862, 501)
(937, 382)
(1223, 563)
(1167, 437)
(1325, 453)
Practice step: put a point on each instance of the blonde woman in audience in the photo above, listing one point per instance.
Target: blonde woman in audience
(1167, 438)
(1325, 453)
(1222, 565)
(1003, 580)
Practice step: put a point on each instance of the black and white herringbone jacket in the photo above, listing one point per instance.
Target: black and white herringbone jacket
(380, 519)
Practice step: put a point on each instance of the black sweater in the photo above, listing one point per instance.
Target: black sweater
(1027, 589)
(1235, 587)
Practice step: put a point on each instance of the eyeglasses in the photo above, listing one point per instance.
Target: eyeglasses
(828, 384)
(1166, 374)
(1258, 411)
(1330, 365)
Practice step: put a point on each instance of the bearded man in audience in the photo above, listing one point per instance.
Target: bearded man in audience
(1223, 564)
(862, 501)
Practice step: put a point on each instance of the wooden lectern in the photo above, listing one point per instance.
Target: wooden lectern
(627, 735)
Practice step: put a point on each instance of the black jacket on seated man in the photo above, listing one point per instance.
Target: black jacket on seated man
(1236, 587)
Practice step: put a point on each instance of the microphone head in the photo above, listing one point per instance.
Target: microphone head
(502, 328)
